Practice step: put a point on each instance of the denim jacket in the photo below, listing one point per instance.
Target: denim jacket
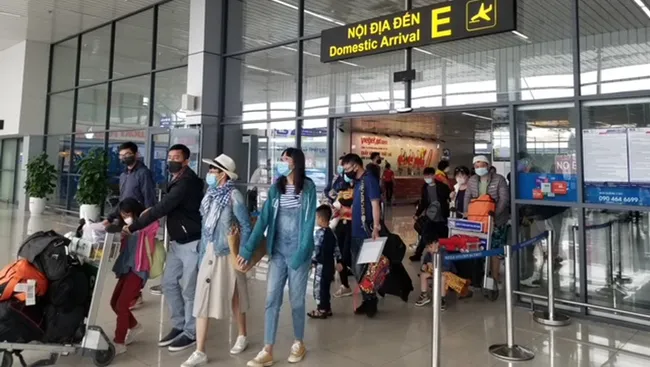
(236, 213)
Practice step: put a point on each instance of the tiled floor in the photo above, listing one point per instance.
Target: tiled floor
(399, 336)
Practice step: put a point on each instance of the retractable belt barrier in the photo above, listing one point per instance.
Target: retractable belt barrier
(508, 351)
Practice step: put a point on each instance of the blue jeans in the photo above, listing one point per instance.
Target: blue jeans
(179, 285)
(279, 272)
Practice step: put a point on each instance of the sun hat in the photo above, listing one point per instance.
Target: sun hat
(224, 163)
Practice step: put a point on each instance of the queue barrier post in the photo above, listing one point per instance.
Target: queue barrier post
(550, 317)
(510, 351)
(437, 285)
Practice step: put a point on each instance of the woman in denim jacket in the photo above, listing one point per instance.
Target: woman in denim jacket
(219, 286)
(288, 217)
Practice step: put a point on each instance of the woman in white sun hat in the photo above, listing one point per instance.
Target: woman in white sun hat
(219, 287)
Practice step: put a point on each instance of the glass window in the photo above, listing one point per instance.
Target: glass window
(173, 33)
(265, 77)
(256, 148)
(616, 146)
(314, 145)
(130, 103)
(9, 154)
(91, 108)
(261, 23)
(58, 153)
(170, 87)
(617, 267)
(534, 220)
(95, 55)
(133, 44)
(362, 84)
(325, 15)
(64, 63)
(60, 113)
(546, 161)
(614, 54)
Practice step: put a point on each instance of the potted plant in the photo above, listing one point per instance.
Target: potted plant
(40, 182)
(92, 189)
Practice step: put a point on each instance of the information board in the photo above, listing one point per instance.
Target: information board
(638, 145)
(605, 155)
(431, 24)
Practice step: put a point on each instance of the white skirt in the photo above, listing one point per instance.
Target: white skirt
(216, 283)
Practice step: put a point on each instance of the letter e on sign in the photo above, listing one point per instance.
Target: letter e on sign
(440, 17)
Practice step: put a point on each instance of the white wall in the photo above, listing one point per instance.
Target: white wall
(12, 64)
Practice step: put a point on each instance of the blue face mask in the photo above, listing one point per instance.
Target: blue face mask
(347, 179)
(283, 169)
(340, 170)
(428, 180)
(211, 180)
(482, 171)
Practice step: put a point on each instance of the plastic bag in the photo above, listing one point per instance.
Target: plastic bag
(93, 232)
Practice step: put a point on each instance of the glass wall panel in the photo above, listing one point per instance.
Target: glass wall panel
(91, 109)
(616, 143)
(261, 82)
(8, 169)
(534, 220)
(546, 154)
(257, 23)
(314, 145)
(133, 42)
(130, 103)
(95, 55)
(618, 268)
(256, 148)
(614, 46)
(321, 15)
(60, 113)
(355, 85)
(170, 87)
(58, 152)
(64, 64)
(173, 33)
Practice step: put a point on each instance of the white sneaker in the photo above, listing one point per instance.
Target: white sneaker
(263, 359)
(133, 334)
(343, 292)
(119, 349)
(298, 352)
(196, 359)
(532, 282)
(240, 345)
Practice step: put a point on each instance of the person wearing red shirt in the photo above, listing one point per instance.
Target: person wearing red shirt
(388, 178)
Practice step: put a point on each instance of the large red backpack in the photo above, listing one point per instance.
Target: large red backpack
(18, 272)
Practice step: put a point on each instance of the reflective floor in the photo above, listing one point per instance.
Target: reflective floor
(399, 336)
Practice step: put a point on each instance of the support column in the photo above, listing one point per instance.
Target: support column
(204, 71)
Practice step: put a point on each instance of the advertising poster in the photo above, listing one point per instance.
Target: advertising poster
(621, 194)
(545, 186)
(408, 156)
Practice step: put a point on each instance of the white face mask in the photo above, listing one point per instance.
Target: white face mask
(461, 180)
(128, 221)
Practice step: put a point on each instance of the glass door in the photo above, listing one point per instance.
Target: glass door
(156, 154)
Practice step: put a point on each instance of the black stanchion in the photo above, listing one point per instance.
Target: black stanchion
(550, 317)
(510, 351)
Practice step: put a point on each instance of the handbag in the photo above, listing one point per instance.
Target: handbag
(157, 259)
(234, 242)
(375, 275)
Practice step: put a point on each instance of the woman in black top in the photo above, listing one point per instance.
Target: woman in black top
(462, 175)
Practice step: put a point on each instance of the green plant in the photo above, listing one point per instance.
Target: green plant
(41, 177)
(93, 181)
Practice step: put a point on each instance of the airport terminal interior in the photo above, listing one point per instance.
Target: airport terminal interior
(555, 94)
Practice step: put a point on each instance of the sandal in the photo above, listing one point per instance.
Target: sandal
(319, 314)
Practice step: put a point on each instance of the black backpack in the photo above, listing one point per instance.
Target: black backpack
(63, 326)
(48, 251)
(20, 323)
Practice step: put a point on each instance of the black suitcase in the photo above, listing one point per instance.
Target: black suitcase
(20, 323)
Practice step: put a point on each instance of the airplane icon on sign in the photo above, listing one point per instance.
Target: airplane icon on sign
(483, 14)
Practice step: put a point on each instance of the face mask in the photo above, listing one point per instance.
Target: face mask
(283, 169)
(428, 180)
(340, 170)
(347, 179)
(351, 175)
(174, 167)
(128, 221)
(128, 161)
(482, 171)
(447, 170)
(461, 180)
(211, 179)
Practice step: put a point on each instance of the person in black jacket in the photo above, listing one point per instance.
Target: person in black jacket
(434, 203)
(181, 207)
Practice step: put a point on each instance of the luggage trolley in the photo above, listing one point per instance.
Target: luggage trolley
(97, 261)
(466, 227)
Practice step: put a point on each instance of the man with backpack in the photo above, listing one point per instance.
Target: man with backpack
(496, 187)
(434, 206)
(181, 207)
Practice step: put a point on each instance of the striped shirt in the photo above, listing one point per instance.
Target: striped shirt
(289, 199)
